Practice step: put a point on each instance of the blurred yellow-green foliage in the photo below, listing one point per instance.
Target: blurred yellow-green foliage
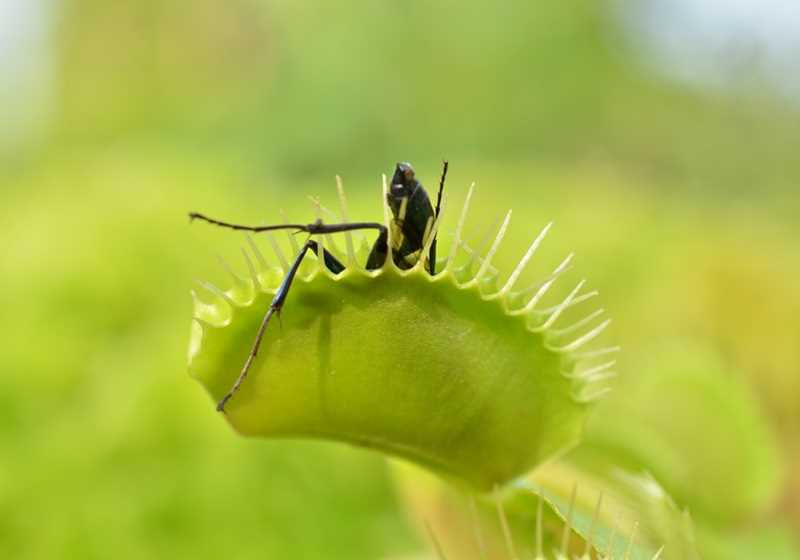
(681, 203)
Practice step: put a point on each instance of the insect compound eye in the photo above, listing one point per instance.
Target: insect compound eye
(408, 173)
(403, 174)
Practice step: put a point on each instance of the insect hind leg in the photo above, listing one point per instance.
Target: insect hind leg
(275, 307)
(331, 262)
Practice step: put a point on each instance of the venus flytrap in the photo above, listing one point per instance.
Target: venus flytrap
(545, 517)
(473, 381)
(544, 528)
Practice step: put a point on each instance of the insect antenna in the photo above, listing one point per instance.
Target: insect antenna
(432, 253)
(445, 165)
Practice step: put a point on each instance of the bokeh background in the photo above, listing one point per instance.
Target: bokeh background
(662, 136)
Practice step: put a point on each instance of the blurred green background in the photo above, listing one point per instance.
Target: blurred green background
(678, 189)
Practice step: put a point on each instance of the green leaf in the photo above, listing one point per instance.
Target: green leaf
(448, 371)
(555, 513)
(697, 428)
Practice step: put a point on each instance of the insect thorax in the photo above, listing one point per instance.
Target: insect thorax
(410, 228)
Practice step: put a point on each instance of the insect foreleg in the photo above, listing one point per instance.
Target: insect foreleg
(331, 263)
(380, 251)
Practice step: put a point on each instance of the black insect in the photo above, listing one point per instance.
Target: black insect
(413, 215)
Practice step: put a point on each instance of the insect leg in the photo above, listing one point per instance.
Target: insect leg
(333, 265)
(380, 251)
(319, 228)
(432, 258)
(197, 216)
(274, 307)
(316, 228)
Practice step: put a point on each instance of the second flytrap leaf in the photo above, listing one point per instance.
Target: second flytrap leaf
(561, 511)
(695, 425)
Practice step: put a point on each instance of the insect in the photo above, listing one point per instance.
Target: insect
(413, 215)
